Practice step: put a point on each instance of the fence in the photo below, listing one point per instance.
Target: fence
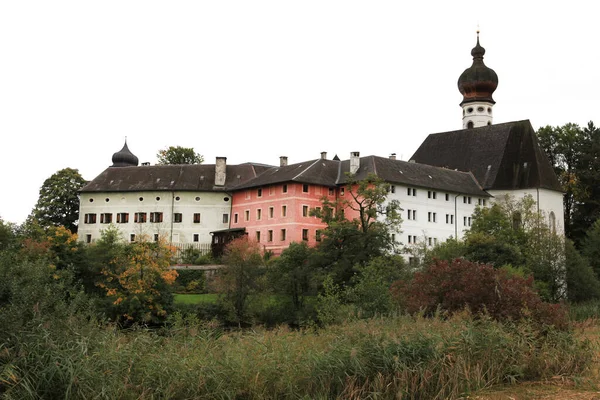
(182, 248)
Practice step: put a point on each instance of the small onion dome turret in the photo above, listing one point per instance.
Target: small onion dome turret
(124, 158)
(478, 82)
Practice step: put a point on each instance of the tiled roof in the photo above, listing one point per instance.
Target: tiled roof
(317, 172)
(503, 156)
(199, 177)
(414, 174)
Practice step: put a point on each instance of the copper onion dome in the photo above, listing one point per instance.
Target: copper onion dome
(478, 82)
(124, 158)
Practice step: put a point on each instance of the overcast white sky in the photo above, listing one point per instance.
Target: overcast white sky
(254, 80)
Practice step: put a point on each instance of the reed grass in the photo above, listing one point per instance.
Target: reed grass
(397, 357)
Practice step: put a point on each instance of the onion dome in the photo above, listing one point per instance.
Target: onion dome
(478, 82)
(124, 158)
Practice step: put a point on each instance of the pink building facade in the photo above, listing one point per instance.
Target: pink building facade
(279, 214)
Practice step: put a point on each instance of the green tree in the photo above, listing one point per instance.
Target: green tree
(7, 234)
(350, 243)
(587, 200)
(292, 274)
(58, 203)
(582, 282)
(590, 247)
(178, 155)
(241, 277)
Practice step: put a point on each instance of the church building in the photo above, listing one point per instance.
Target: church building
(449, 175)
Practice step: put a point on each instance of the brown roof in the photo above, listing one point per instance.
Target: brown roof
(198, 177)
(414, 174)
(332, 173)
(503, 156)
(317, 172)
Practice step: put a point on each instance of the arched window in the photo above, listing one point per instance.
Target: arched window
(552, 218)
(516, 220)
(470, 125)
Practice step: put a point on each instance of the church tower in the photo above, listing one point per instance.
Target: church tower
(477, 84)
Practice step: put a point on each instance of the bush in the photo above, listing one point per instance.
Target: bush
(190, 281)
(453, 286)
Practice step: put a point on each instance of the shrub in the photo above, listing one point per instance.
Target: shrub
(190, 281)
(483, 289)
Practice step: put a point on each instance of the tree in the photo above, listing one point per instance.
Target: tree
(241, 276)
(58, 203)
(292, 274)
(179, 155)
(590, 247)
(582, 282)
(136, 277)
(349, 243)
(7, 234)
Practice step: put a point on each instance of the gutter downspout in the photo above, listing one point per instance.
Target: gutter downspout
(456, 218)
(172, 215)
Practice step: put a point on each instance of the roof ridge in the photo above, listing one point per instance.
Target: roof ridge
(306, 169)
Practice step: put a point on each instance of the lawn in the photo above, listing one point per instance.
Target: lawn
(196, 298)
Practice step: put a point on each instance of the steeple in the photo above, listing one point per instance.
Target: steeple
(477, 84)
(124, 158)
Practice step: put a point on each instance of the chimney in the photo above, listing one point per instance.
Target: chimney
(323, 155)
(220, 171)
(393, 156)
(282, 161)
(354, 161)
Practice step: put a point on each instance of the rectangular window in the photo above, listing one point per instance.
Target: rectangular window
(429, 216)
(247, 215)
(342, 191)
(259, 192)
(430, 241)
(408, 192)
(393, 189)
(317, 211)
(447, 197)
(284, 211)
(469, 200)
(132, 237)
(305, 188)
(156, 217)
(304, 234)
(305, 211)
(432, 217)
(90, 218)
(122, 218)
(88, 238)
(178, 217)
(258, 214)
(269, 236)
(140, 217)
(318, 235)
(196, 237)
(156, 237)
(225, 218)
(412, 214)
(411, 191)
(105, 218)
(483, 202)
(271, 212)
(465, 199)
(247, 195)
(271, 192)
(197, 217)
(409, 214)
(331, 191)
(284, 188)
(449, 218)
(435, 241)
(235, 218)
(258, 236)
(393, 238)
(283, 235)
(429, 194)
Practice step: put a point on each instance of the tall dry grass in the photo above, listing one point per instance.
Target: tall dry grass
(396, 357)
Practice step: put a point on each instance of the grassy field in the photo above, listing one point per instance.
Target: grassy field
(210, 298)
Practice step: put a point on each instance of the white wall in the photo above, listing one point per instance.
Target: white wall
(548, 201)
(422, 227)
(211, 206)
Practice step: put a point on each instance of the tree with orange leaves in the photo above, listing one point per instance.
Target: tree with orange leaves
(137, 278)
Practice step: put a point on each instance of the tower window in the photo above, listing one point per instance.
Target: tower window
(470, 110)
(480, 109)
(470, 125)
(489, 123)
(489, 110)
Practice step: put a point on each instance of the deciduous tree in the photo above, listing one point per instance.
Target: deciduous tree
(179, 155)
(58, 203)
